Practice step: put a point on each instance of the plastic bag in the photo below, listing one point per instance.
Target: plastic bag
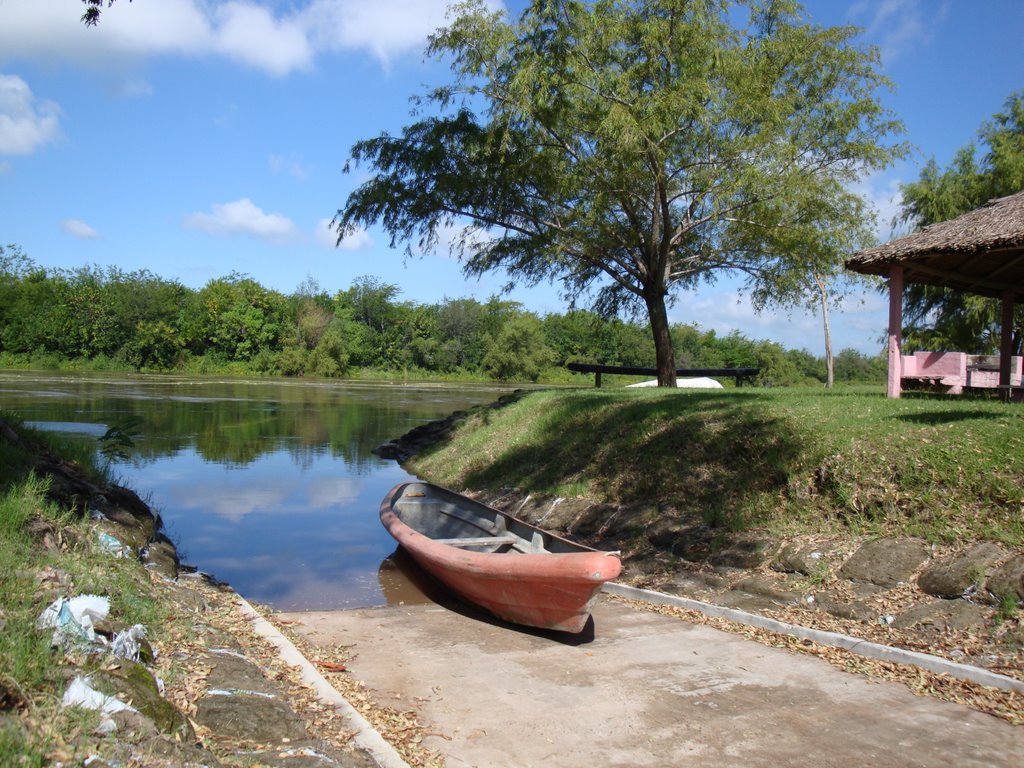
(72, 620)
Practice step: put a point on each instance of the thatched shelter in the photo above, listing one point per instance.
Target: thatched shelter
(981, 252)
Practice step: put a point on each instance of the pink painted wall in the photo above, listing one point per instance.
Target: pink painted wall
(957, 369)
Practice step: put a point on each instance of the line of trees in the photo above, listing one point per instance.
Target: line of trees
(108, 318)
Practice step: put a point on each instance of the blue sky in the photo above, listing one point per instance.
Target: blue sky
(194, 138)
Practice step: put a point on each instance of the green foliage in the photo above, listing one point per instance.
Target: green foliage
(233, 325)
(1006, 609)
(938, 318)
(118, 440)
(634, 148)
(518, 353)
(792, 460)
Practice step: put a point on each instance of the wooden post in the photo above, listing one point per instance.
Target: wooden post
(1006, 344)
(597, 379)
(895, 329)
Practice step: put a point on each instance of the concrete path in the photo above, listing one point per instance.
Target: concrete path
(642, 689)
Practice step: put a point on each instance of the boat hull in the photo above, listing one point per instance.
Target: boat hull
(545, 589)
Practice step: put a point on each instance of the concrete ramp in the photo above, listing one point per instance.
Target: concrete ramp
(642, 689)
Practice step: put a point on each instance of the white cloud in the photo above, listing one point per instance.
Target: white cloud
(79, 229)
(898, 26)
(26, 123)
(289, 165)
(328, 237)
(386, 28)
(248, 33)
(133, 88)
(241, 217)
(882, 194)
(858, 323)
(257, 35)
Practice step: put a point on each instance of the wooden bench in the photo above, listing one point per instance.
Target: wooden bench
(740, 374)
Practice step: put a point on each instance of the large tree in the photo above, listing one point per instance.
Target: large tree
(940, 318)
(632, 148)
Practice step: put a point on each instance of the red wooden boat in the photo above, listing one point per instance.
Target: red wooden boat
(514, 570)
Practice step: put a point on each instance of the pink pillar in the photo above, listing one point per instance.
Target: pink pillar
(1006, 340)
(895, 329)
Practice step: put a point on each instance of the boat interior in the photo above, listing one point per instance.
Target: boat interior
(475, 527)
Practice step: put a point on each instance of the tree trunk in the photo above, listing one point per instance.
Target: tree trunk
(663, 350)
(829, 367)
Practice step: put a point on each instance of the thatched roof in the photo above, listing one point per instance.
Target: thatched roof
(980, 252)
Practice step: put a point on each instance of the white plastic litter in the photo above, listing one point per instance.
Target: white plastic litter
(126, 643)
(72, 619)
(113, 545)
(80, 693)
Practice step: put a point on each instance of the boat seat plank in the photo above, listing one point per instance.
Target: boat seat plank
(479, 541)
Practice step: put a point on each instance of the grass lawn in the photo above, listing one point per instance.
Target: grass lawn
(790, 460)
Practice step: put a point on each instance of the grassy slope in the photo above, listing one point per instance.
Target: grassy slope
(790, 460)
(34, 729)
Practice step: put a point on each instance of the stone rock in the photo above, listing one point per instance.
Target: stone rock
(249, 716)
(744, 601)
(133, 726)
(188, 598)
(229, 670)
(177, 753)
(697, 583)
(126, 516)
(310, 754)
(160, 555)
(943, 615)
(856, 610)
(808, 559)
(554, 513)
(953, 576)
(886, 562)
(768, 588)
(693, 543)
(748, 550)
(132, 682)
(865, 590)
(1007, 579)
(126, 529)
(586, 521)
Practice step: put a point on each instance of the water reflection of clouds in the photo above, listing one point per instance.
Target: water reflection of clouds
(287, 512)
(238, 497)
(290, 586)
(325, 492)
(235, 503)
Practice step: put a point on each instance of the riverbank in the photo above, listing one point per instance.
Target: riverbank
(146, 661)
(897, 522)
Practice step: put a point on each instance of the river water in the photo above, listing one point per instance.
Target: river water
(267, 484)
